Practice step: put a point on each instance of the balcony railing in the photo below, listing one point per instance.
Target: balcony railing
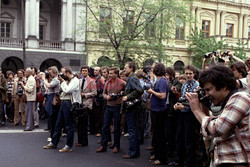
(11, 42)
(50, 45)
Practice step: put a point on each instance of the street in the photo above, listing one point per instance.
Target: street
(25, 149)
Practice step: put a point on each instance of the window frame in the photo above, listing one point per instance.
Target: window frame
(10, 29)
(102, 32)
(179, 28)
(206, 31)
(227, 33)
(126, 22)
(150, 31)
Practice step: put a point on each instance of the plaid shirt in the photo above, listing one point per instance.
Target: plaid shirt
(227, 147)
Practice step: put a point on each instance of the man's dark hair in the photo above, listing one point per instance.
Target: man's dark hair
(105, 68)
(159, 69)
(196, 74)
(190, 67)
(35, 69)
(240, 67)
(171, 72)
(21, 70)
(247, 62)
(132, 65)
(67, 69)
(115, 69)
(220, 76)
(84, 67)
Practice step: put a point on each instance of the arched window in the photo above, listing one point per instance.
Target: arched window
(178, 66)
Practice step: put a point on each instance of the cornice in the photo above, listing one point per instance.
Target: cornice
(229, 3)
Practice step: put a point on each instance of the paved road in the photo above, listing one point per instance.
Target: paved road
(24, 149)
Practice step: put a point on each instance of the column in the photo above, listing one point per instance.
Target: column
(63, 20)
(240, 33)
(198, 21)
(27, 20)
(69, 29)
(223, 24)
(33, 18)
(217, 26)
(245, 28)
(193, 8)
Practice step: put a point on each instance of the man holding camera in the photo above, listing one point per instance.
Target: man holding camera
(133, 93)
(187, 124)
(230, 128)
(112, 93)
(88, 92)
(29, 89)
(70, 94)
(17, 93)
(53, 90)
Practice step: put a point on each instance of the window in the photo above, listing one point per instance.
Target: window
(128, 21)
(230, 29)
(248, 32)
(105, 20)
(150, 29)
(179, 32)
(5, 30)
(206, 28)
(41, 32)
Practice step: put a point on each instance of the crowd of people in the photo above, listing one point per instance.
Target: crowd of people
(200, 118)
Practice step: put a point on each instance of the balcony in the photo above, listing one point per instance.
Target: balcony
(43, 44)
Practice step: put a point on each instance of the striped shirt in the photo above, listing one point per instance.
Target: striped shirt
(227, 147)
(10, 85)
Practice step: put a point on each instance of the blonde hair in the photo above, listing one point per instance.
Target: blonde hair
(53, 69)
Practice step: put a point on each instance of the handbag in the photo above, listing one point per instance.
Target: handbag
(56, 101)
(24, 97)
(39, 97)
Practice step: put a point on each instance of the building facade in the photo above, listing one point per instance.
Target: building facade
(54, 32)
(227, 20)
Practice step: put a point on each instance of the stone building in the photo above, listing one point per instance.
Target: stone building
(54, 33)
(227, 20)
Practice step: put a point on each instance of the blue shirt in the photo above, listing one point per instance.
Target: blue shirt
(188, 86)
(157, 104)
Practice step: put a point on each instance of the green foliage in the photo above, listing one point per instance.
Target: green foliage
(200, 46)
(239, 50)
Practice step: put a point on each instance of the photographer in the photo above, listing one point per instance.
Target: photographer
(112, 93)
(158, 108)
(133, 92)
(230, 128)
(17, 93)
(187, 124)
(240, 73)
(70, 94)
(53, 90)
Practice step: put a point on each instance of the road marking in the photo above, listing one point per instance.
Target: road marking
(21, 131)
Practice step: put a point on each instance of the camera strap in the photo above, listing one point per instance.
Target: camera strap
(227, 98)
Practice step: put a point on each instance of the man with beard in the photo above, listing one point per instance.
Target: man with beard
(70, 94)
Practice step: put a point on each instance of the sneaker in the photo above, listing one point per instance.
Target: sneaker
(126, 135)
(49, 139)
(49, 146)
(65, 149)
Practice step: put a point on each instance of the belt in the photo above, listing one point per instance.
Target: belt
(65, 100)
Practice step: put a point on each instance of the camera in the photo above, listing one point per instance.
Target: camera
(116, 96)
(61, 75)
(19, 91)
(46, 74)
(226, 52)
(77, 109)
(208, 55)
(147, 85)
(201, 95)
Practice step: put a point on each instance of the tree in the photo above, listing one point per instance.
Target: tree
(240, 50)
(136, 29)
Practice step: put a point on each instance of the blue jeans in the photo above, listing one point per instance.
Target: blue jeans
(134, 147)
(111, 112)
(64, 119)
